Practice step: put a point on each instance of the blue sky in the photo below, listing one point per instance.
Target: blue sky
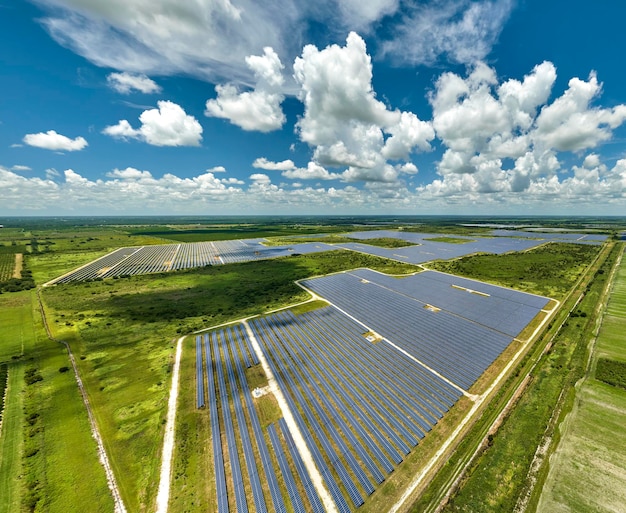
(115, 107)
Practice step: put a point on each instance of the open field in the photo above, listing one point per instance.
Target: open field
(48, 460)
(549, 270)
(590, 454)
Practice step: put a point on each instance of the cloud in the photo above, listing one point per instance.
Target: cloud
(462, 31)
(168, 125)
(126, 82)
(505, 137)
(570, 124)
(50, 140)
(345, 122)
(596, 189)
(263, 163)
(206, 39)
(19, 167)
(210, 39)
(313, 171)
(259, 109)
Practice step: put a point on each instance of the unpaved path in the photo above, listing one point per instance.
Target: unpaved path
(19, 262)
(163, 495)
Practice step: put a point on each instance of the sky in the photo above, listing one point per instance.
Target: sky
(338, 107)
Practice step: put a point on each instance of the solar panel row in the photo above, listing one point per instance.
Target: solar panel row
(268, 339)
(218, 457)
(199, 374)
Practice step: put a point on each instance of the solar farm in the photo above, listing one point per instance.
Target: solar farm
(359, 382)
(172, 257)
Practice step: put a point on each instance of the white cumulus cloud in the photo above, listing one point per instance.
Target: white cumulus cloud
(259, 109)
(126, 83)
(506, 137)
(263, 163)
(169, 125)
(51, 140)
(344, 121)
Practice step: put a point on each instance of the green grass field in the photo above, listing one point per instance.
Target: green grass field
(591, 454)
(48, 460)
(549, 270)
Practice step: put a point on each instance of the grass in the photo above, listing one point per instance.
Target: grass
(48, 460)
(386, 242)
(11, 443)
(192, 485)
(590, 455)
(591, 439)
(549, 270)
(611, 372)
(7, 265)
(450, 240)
(383, 242)
(235, 231)
(122, 330)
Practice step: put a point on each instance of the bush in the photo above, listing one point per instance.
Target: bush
(611, 372)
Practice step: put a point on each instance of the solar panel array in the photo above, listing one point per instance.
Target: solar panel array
(227, 353)
(169, 257)
(427, 250)
(582, 238)
(498, 308)
(359, 406)
(459, 339)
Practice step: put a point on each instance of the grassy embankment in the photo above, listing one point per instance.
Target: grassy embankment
(383, 242)
(122, 334)
(450, 240)
(498, 476)
(590, 443)
(48, 460)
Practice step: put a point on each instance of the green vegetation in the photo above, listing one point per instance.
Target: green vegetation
(611, 372)
(383, 242)
(222, 231)
(386, 242)
(48, 460)
(7, 264)
(590, 442)
(549, 270)
(4, 375)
